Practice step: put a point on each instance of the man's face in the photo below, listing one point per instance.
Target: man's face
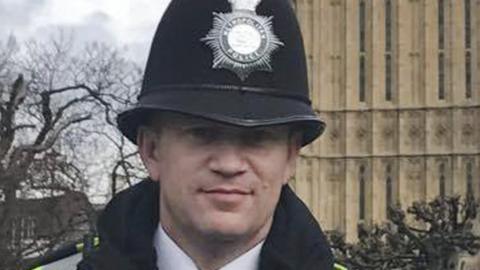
(217, 180)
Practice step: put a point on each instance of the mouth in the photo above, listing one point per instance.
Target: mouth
(226, 198)
(227, 191)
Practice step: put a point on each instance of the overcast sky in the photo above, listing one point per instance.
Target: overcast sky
(120, 23)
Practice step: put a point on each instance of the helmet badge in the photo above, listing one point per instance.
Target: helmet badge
(242, 41)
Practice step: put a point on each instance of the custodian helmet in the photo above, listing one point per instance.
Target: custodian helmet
(240, 62)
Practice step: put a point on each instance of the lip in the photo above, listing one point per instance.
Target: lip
(227, 198)
(227, 191)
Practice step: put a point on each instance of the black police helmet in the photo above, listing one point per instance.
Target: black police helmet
(236, 85)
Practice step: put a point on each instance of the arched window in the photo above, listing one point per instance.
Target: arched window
(389, 187)
(468, 47)
(361, 202)
(362, 47)
(388, 50)
(469, 173)
(441, 48)
(442, 180)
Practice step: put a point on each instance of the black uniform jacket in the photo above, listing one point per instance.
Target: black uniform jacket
(128, 224)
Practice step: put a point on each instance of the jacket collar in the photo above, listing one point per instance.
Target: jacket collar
(294, 242)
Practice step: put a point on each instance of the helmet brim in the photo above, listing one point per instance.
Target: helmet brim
(237, 108)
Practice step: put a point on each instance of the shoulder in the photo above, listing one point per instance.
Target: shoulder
(135, 193)
(127, 202)
(125, 227)
(295, 240)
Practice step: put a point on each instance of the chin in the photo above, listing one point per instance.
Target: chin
(228, 230)
(227, 234)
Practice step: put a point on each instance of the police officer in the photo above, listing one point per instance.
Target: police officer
(221, 117)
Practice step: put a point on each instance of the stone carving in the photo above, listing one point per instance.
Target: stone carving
(387, 132)
(467, 130)
(361, 133)
(389, 115)
(334, 134)
(440, 131)
(414, 169)
(468, 112)
(415, 132)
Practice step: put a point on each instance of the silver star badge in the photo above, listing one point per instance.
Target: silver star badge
(242, 41)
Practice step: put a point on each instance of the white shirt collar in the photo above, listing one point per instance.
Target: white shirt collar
(171, 257)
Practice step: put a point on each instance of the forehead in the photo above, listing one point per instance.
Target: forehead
(176, 120)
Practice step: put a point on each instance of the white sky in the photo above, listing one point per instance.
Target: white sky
(121, 23)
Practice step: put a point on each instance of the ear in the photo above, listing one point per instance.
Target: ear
(294, 146)
(147, 142)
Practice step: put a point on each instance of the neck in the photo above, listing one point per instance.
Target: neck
(212, 251)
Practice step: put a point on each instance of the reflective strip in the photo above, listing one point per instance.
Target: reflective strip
(69, 263)
(339, 267)
(79, 246)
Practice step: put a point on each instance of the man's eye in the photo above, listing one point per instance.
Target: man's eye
(261, 137)
(203, 134)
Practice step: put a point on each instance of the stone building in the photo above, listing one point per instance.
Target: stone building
(46, 221)
(398, 84)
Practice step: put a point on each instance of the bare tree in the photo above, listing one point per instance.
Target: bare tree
(127, 167)
(55, 100)
(441, 229)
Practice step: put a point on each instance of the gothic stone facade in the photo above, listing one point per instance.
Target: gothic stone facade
(398, 84)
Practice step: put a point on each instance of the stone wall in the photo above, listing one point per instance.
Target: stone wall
(391, 79)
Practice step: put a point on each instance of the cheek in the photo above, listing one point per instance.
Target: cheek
(179, 171)
(268, 196)
(270, 186)
(272, 170)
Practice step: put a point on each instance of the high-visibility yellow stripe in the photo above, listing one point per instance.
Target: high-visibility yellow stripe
(79, 246)
(339, 267)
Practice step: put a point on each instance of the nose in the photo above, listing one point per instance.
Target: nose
(228, 160)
